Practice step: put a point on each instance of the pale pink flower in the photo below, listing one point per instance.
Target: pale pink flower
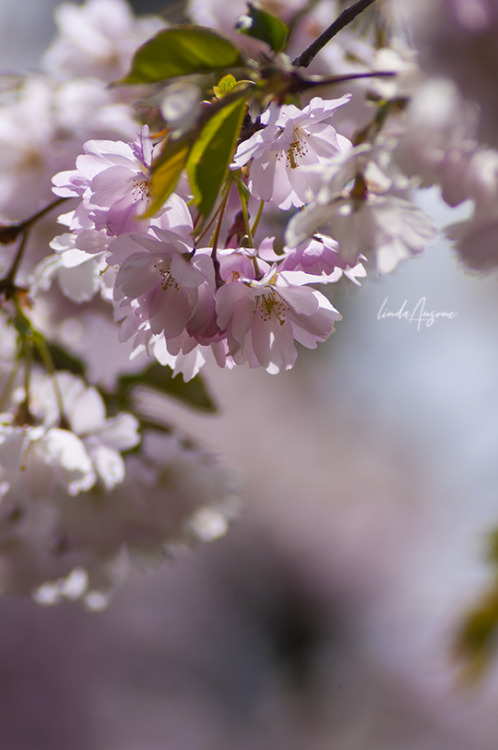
(291, 139)
(476, 238)
(263, 318)
(102, 438)
(318, 256)
(386, 227)
(113, 180)
(163, 288)
(80, 274)
(71, 451)
(188, 362)
(81, 261)
(370, 219)
(37, 460)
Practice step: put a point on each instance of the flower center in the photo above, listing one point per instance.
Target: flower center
(270, 304)
(297, 149)
(141, 189)
(167, 280)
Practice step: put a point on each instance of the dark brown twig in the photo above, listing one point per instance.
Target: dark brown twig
(348, 15)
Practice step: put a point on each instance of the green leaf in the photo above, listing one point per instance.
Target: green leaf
(493, 546)
(477, 636)
(212, 152)
(166, 172)
(264, 26)
(180, 51)
(160, 379)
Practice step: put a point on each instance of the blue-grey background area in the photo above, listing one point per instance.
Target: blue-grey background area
(324, 619)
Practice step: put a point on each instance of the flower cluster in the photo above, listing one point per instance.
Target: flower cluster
(209, 202)
(181, 300)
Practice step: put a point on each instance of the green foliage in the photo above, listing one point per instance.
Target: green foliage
(264, 26)
(477, 637)
(180, 51)
(160, 379)
(493, 547)
(212, 152)
(166, 171)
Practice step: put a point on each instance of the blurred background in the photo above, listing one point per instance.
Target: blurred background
(325, 618)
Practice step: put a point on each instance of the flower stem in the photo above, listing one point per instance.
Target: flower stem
(207, 227)
(10, 382)
(243, 203)
(7, 284)
(215, 238)
(216, 234)
(46, 357)
(258, 217)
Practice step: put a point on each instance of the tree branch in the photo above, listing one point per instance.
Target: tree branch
(348, 15)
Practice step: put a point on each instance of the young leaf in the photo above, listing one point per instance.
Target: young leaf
(224, 86)
(212, 152)
(264, 26)
(179, 51)
(160, 379)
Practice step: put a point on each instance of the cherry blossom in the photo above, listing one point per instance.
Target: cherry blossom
(318, 256)
(80, 274)
(113, 179)
(264, 317)
(162, 288)
(290, 139)
(367, 216)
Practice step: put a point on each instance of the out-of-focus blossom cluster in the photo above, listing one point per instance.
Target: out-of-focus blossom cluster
(84, 491)
(459, 39)
(318, 190)
(84, 494)
(57, 529)
(450, 136)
